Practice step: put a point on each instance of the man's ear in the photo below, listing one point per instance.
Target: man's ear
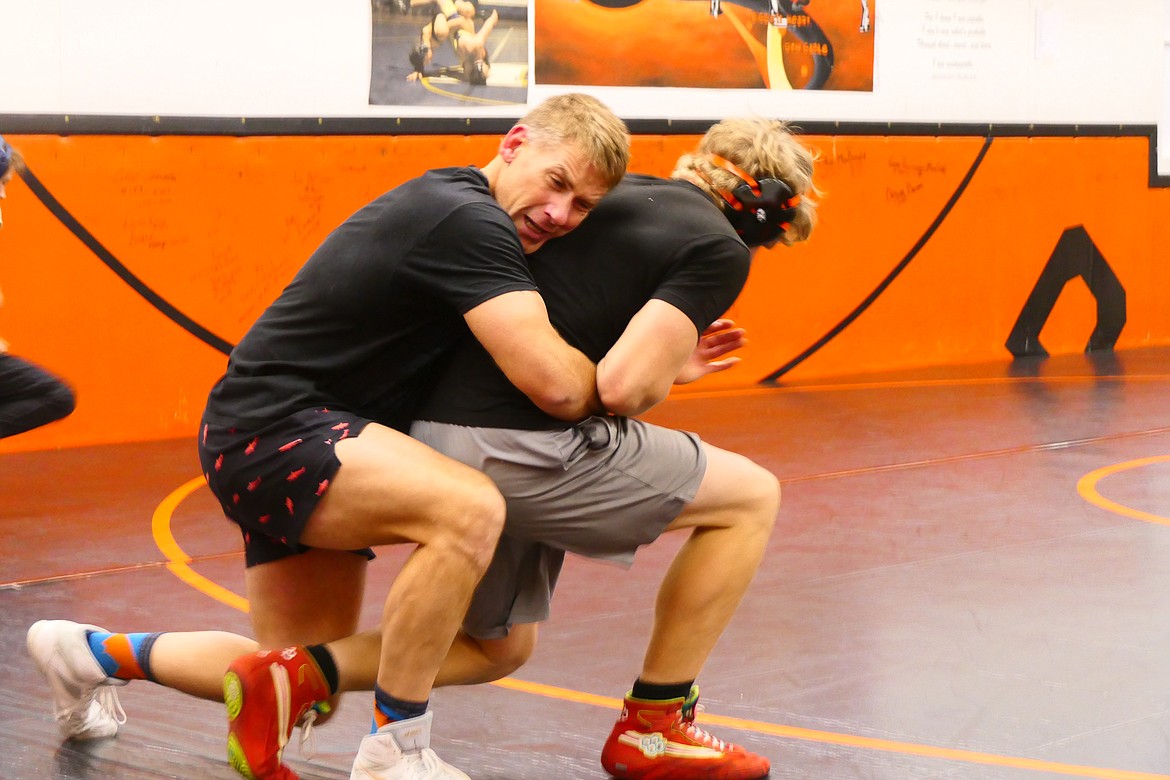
(512, 142)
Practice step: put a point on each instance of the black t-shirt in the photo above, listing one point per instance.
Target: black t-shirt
(366, 321)
(648, 238)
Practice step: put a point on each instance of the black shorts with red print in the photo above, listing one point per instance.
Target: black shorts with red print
(269, 481)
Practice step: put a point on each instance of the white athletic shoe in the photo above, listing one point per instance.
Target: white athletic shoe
(401, 751)
(85, 703)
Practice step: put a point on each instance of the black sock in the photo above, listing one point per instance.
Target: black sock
(658, 692)
(324, 659)
(397, 709)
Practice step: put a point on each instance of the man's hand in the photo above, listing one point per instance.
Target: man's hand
(720, 338)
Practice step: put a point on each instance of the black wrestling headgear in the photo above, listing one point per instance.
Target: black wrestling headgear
(760, 211)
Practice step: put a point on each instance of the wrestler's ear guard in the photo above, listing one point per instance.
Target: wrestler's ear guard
(760, 211)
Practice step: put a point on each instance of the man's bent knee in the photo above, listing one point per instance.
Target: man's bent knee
(509, 654)
(762, 492)
(472, 523)
(765, 491)
(735, 493)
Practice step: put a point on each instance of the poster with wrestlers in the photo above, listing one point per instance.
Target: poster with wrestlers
(449, 53)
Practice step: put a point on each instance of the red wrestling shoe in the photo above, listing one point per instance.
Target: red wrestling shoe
(658, 740)
(267, 693)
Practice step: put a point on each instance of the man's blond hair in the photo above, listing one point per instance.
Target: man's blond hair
(586, 122)
(764, 149)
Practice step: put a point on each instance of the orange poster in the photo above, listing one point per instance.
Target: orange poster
(711, 44)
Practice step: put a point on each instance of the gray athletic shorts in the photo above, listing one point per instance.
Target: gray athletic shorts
(601, 489)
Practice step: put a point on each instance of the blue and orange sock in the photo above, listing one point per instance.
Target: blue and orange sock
(123, 656)
(388, 709)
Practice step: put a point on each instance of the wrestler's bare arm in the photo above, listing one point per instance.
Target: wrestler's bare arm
(515, 330)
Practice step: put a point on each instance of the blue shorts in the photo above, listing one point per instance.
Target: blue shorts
(269, 481)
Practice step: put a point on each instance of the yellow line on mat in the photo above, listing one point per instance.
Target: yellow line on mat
(179, 564)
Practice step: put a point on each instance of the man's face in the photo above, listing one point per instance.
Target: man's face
(546, 189)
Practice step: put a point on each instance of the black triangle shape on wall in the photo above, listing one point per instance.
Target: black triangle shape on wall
(1075, 255)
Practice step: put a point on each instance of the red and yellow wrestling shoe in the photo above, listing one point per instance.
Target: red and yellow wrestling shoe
(658, 740)
(266, 694)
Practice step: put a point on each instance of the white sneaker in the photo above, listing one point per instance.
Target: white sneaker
(85, 703)
(401, 751)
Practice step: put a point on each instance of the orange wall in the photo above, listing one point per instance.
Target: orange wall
(217, 226)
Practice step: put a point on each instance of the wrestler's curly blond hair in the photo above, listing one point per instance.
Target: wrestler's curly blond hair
(763, 148)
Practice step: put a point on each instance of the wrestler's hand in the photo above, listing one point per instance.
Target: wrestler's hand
(720, 338)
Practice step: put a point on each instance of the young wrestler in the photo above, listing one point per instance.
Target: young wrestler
(634, 288)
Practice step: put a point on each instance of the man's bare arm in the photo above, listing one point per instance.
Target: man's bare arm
(640, 368)
(515, 330)
(660, 348)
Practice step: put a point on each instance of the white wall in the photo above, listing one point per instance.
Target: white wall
(1164, 114)
(1023, 61)
(180, 57)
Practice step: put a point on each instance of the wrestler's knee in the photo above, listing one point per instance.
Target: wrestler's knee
(471, 522)
(761, 496)
(509, 654)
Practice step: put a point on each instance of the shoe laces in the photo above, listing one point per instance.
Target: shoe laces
(698, 735)
(687, 719)
(430, 763)
(107, 699)
(308, 737)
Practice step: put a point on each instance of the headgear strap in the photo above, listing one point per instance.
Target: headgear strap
(760, 211)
